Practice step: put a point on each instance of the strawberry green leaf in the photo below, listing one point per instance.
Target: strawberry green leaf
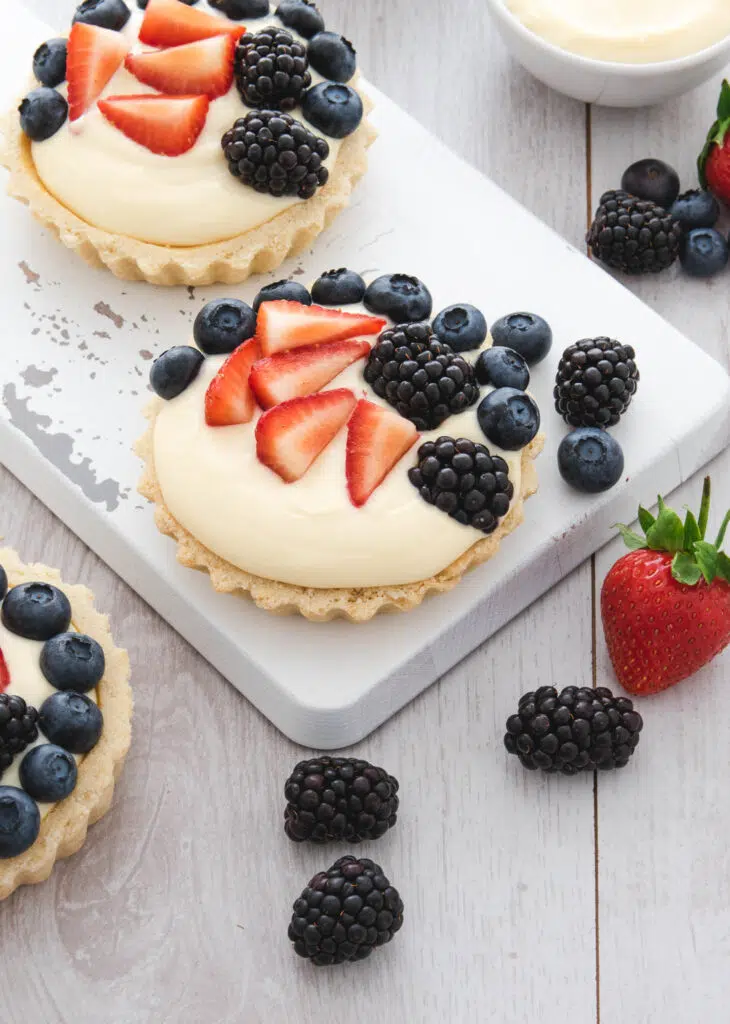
(685, 569)
(646, 519)
(723, 530)
(706, 558)
(723, 104)
(667, 533)
(691, 531)
(705, 505)
(631, 539)
(723, 566)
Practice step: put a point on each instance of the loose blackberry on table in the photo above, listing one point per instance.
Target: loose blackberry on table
(345, 913)
(274, 153)
(634, 235)
(339, 798)
(462, 478)
(271, 69)
(578, 729)
(595, 382)
(18, 727)
(420, 376)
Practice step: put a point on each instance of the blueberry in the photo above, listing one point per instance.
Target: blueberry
(704, 252)
(526, 333)
(20, 821)
(502, 368)
(509, 418)
(49, 63)
(292, 291)
(333, 109)
(696, 209)
(48, 773)
(338, 288)
(71, 720)
(462, 326)
(142, 4)
(3, 583)
(237, 10)
(402, 298)
(590, 460)
(36, 611)
(42, 113)
(332, 56)
(72, 661)
(653, 180)
(302, 16)
(113, 14)
(222, 325)
(174, 370)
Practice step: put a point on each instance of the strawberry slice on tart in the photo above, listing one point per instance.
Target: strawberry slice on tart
(283, 324)
(172, 23)
(377, 439)
(166, 125)
(201, 68)
(302, 371)
(93, 57)
(290, 436)
(229, 399)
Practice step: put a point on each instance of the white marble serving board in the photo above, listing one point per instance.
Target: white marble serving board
(75, 355)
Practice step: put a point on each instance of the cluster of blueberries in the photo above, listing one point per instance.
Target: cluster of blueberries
(70, 721)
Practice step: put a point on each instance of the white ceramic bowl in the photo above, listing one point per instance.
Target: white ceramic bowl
(606, 83)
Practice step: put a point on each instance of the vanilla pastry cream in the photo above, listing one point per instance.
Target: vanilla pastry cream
(627, 31)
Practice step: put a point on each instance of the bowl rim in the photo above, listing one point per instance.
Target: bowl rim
(632, 70)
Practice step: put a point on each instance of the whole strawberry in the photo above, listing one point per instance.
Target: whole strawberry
(714, 160)
(666, 605)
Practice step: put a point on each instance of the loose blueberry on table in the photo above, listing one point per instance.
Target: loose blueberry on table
(68, 720)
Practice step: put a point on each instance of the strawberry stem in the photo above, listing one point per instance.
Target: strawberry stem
(704, 508)
(723, 530)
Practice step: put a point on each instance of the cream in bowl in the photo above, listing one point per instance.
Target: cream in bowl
(627, 31)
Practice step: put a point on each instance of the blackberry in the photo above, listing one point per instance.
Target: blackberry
(273, 153)
(420, 376)
(595, 382)
(576, 730)
(463, 478)
(344, 913)
(339, 798)
(272, 69)
(634, 235)
(18, 727)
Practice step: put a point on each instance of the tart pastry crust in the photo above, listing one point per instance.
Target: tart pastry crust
(63, 829)
(358, 604)
(231, 261)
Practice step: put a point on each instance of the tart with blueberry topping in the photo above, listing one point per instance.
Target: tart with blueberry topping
(189, 143)
(337, 452)
(65, 713)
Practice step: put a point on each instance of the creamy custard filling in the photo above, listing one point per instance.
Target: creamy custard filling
(306, 533)
(116, 184)
(627, 31)
(22, 657)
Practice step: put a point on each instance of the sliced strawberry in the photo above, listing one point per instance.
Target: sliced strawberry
(93, 56)
(302, 371)
(229, 399)
(4, 673)
(377, 438)
(171, 23)
(167, 125)
(282, 324)
(290, 436)
(195, 68)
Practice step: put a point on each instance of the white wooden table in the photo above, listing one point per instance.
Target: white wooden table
(583, 900)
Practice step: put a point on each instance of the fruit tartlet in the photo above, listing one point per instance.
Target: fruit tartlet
(336, 453)
(190, 143)
(65, 714)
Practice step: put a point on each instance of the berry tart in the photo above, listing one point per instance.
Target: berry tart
(338, 452)
(189, 143)
(65, 713)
